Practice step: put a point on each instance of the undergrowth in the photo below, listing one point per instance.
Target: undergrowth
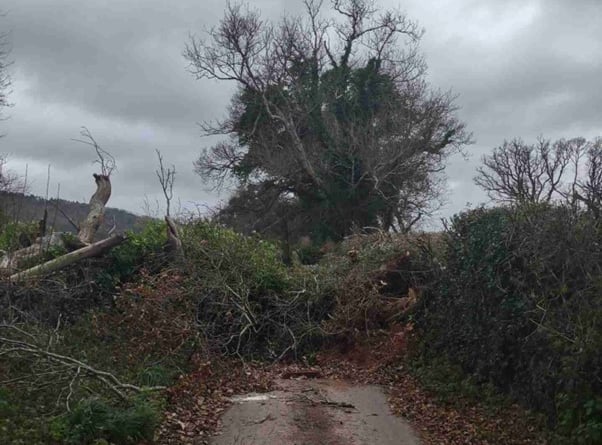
(493, 300)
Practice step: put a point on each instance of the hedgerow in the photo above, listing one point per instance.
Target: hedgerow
(519, 304)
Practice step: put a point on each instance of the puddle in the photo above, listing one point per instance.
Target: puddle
(252, 398)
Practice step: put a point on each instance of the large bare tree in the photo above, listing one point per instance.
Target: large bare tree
(332, 111)
(568, 171)
(520, 172)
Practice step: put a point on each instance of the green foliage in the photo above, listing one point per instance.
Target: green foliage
(519, 304)
(5, 405)
(20, 420)
(580, 420)
(453, 386)
(156, 375)
(308, 253)
(143, 248)
(234, 258)
(11, 232)
(248, 301)
(93, 419)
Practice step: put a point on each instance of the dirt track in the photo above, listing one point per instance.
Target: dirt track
(314, 412)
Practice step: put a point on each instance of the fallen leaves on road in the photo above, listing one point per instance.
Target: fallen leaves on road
(380, 360)
(197, 401)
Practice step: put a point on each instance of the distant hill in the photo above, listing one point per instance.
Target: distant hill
(26, 208)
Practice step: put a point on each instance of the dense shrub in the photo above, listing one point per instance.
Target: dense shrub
(19, 421)
(12, 234)
(142, 249)
(519, 304)
(93, 419)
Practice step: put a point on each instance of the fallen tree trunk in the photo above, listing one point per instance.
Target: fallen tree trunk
(12, 261)
(89, 251)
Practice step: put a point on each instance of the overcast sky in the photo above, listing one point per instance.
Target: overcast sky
(520, 68)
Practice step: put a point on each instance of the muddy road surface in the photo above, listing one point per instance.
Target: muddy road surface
(314, 412)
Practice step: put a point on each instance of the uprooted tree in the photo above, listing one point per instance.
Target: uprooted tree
(77, 247)
(333, 120)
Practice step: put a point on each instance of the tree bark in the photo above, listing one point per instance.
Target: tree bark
(72, 257)
(174, 244)
(13, 260)
(99, 199)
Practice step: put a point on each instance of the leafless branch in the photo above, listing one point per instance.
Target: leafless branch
(547, 171)
(166, 177)
(14, 346)
(105, 159)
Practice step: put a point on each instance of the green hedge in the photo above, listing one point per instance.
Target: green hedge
(519, 304)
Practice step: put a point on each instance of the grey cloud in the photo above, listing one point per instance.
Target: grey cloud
(520, 68)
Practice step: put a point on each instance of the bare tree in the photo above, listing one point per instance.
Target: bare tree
(81, 247)
(568, 171)
(166, 177)
(335, 112)
(5, 80)
(104, 158)
(98, 201)
(10, 182)
(519, 172)
(588, 190)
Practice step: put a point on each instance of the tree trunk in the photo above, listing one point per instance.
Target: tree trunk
(174, 244)
(72, 257)
(13, 260)
(95, 216)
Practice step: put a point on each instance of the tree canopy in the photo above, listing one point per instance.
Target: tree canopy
(333, 122)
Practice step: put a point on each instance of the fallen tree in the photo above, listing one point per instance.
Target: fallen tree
(88, 251)
(77, 247)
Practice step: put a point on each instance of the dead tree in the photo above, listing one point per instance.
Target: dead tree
(5, 80)
(90, 225)
(166, 178)
(88, 251)
(588, 190)
(174, 244)
(80, 247)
